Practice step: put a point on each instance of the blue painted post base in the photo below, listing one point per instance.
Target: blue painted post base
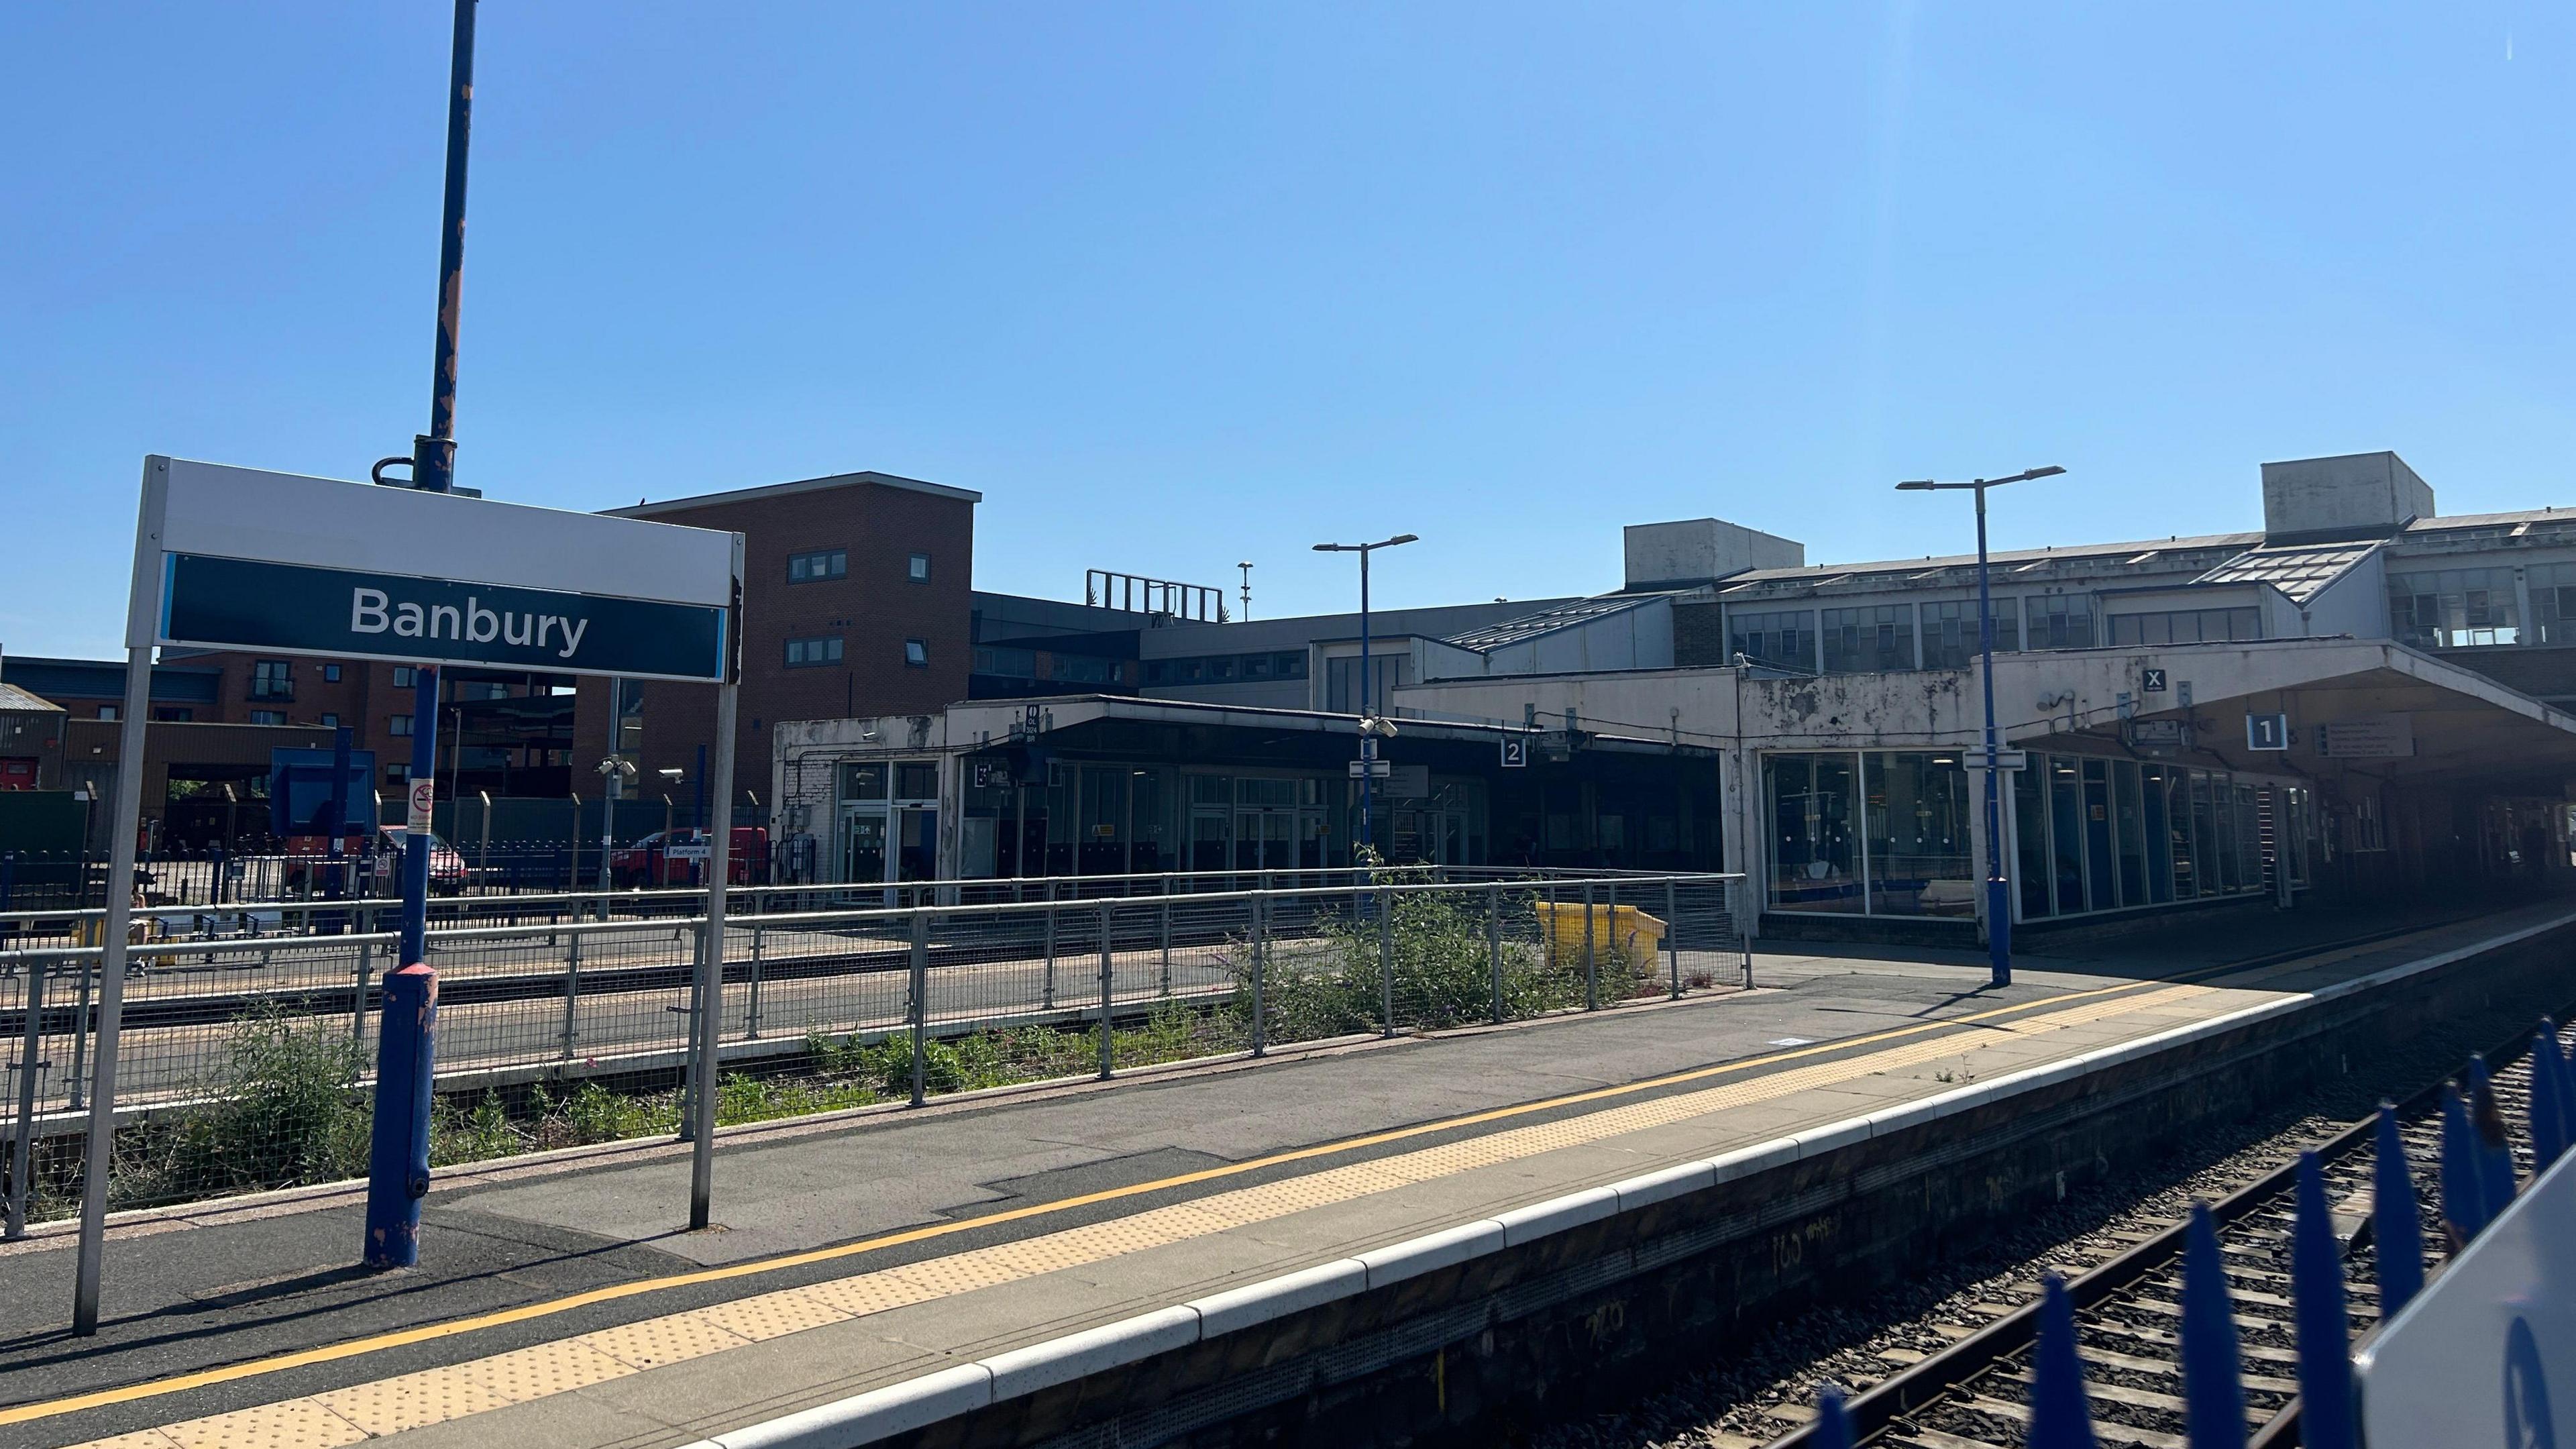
(398, 1155)
(1999, 928)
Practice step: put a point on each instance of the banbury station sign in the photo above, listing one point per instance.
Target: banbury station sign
(236, 558)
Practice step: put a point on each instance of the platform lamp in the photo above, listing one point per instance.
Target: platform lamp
(1998, 887)
(1370, 725)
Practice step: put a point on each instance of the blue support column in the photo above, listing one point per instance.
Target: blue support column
(1833, 1422)
(2059, 1416)
(398, 1152)
(2393, 1220)
(2464, 1197)
(2212, 1384)
(2324, 1329)
(2548, 1099)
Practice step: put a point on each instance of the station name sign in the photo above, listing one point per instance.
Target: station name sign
(294, 608)
(237, 558)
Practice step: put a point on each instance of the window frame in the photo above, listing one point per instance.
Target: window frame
(801, 568)
(811, 651)
(916, 654)
(916, 567)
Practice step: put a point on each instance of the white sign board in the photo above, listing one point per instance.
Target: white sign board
(236, 558)
(2486, 1354)
(2376, 737)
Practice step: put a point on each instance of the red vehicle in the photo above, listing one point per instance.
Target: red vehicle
(306, 857)
(679, 858)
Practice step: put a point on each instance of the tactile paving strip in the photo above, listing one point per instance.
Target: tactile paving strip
(347, 1416)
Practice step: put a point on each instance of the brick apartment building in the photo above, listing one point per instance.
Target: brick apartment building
(857, 601)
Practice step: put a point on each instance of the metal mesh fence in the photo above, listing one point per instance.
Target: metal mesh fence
(244, 1059)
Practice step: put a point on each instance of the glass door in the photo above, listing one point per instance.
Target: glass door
(863, 844)
(917, 837)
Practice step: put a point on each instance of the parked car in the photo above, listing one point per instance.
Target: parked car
(678, 858)
(447, 873)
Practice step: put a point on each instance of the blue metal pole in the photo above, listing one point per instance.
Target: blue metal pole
(2494, 1154)
(2211, 1382)
(2464, 1192)
(1998, 887)
(2399, 1232)
(2549, 1114)
(1368, 786)
(398, 1155)
(2060, 1417)
(1833, 1421)
(2324, 1330)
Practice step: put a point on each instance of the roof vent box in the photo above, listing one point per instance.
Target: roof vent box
(2358, 495)
(1697, 550)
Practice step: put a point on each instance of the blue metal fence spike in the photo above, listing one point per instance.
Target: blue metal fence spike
(1833, 1425)
(2393, 1220)
(2463, 1191)
(2059, 1416)
(2324, 1332)
(2210, 1382)
(2548, 1099)
(2494, 1150)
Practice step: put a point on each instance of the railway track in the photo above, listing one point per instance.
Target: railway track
(1975, 1393)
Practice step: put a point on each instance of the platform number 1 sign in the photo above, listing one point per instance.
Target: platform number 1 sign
(2267, 731)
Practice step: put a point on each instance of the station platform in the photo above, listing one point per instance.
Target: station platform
(558, 1302)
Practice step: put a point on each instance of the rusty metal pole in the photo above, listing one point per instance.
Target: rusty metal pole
(433, 467)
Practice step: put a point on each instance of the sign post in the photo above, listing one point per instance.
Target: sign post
(235, 558)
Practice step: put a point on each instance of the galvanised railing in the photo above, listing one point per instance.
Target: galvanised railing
(258, 1046)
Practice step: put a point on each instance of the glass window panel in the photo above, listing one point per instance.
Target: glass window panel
(2231, 867)
(2249, 838)
(2099, 873)
(2060, 621)
(2066, 833)
(2204, 837)
(2454, 608)
(2155, 791)
(1784, 639)
(1918, 835)
(1814, 856)
(863, 782)
(2030, 831)
(1873, 640)
(2130, 832)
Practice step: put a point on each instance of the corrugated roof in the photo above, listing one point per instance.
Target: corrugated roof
(19, 701)
(2300, 571)
(1821, 573)
(1548, 621)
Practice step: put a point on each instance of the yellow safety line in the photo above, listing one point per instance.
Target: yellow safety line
(351, 1348)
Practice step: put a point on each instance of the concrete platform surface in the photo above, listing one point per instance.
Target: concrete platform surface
(560, 1304)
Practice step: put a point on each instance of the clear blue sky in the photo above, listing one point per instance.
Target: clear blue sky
(1177, 286)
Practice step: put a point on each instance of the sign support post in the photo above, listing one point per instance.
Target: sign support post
(709, 1019)
(126, 821)
(406, 1042)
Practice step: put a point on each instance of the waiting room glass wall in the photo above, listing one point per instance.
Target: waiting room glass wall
(2103, 835)
(1870, 832)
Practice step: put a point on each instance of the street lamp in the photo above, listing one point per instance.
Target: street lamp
(1371, 727)
(614, 771)
(1998, 893)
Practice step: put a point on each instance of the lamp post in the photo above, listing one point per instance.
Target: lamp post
(1998, 891)
(1370, 725)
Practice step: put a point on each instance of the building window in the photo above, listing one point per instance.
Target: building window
(916, 653)
(272, 679)
(1220, 668)
(1078, 669)
(1783, 639)
(2553, 602)
(807, 653)
(1007, 663)
(2455, 609)
(399, 726)
(166, 713)
(404, 677)
(330, 674)
(917, 568)
(863, 782)
(330, 721)
(916, 780)
(2186, 626)
(1877, 832)
(107, 711)
(815, 567)
(2060, 621)
(396, 774)
(268, 716)
(1950, 632)
(1872, 640)
(1288, 666)
(1255, 666)
(1342, 679)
